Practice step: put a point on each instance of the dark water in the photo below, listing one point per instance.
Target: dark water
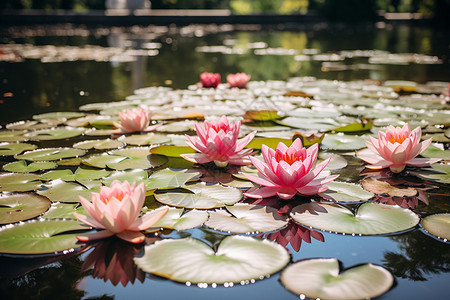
(419, 263)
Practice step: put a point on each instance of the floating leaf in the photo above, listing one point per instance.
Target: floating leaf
(99, 144)
(343, 142)
(336, 162)
(438, 225)
(321, 278)
(256, 143)
(65, 175)
(134, 175)
(346, 192)
(21, 166)
(145, 139)
(437, 172)
(60, 191)
(171, 151)
(59, 116)
(246, 218)
(50, 154)
(19, 182)
(370, 218)
(23, 206)
(12, 136)
(363, 125)
(434, 152)
(203, 196)
(383, 187)
(88, 173)
(308, 139)
(170, 178)
(175, 219)
(54, 134)
(15, 148)
(262, 115)
(179, 126)
(237, 259)
(39, 237)
(64, 211)
(311, 124)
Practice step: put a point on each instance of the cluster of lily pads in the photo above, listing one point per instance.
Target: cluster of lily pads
(42, 185)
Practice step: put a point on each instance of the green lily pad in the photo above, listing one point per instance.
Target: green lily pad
(88, 173)
(171, 151)
(12, 136)
(256, 143)
(54, 134)
(15, 148)
(21, 206)
(336, 162)
(262, 115)
(134, 175)
(202, 196)
(363, 125)
(99, 144)
(343, 142)
(48, 154)
(99, 132)
(437, 137)
(65, 175)
(321, 278)
(175, 219)
(40, 237)
(438, 225)
(346, 192)
(178, 126)
(61, 191)
(246, 218)
(145, 139)
(171, 178)
(322, 124)
(21, 166)
(19, 182)
(370, 218)
(60, 116)
(434, 152)
(64, 211)
(263, 126)
(238, 258)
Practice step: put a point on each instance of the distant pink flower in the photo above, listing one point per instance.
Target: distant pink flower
(134, 120)
(396, 148)
(210, 80)
(287, 171)
(116, 209)
(218, 142)
(238, 80)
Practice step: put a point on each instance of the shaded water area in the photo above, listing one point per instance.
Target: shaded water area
(43, 82)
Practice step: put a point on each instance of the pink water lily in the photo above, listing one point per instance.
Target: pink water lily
(288, 171)
(116, 210)
(218, 141)
(238, 80)
(210, 80)
(395, 149)
(134, 120)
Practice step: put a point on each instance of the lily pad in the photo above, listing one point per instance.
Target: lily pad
(88, 173)
(262, 115)
(343, 142)
(12, 136)
(64, 211)
(145, 139)
(370, 218)
(346, 192)
(21, 206)
(336, 162)
(237, 259)
(60, 191)
(21, 166)
(321, 278)
(40, 237)
(19, 182)
(171, 178)
(175, 219)
(99, 144)
(15, 148)
(48, 154)
(246, 218)
(54, 134)
(382, 187)
(60, 116)
(323, 124)
(434, 152)
(171, 151)
(256, 143)
(65, 175)
(437, 172)
(134, 175)
(202, 196)
(438, 225)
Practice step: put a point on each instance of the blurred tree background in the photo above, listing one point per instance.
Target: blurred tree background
(335, 10)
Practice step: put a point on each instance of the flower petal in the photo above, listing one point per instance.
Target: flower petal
(263, 192)
(95, 236)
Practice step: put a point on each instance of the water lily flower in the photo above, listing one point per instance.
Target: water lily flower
(218, 142)
(210, 80)
(396, 148)
(288, 171)
(116, 210)
(238, 80)
(134, 120)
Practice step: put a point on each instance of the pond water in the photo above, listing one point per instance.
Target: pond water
(38, 79)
